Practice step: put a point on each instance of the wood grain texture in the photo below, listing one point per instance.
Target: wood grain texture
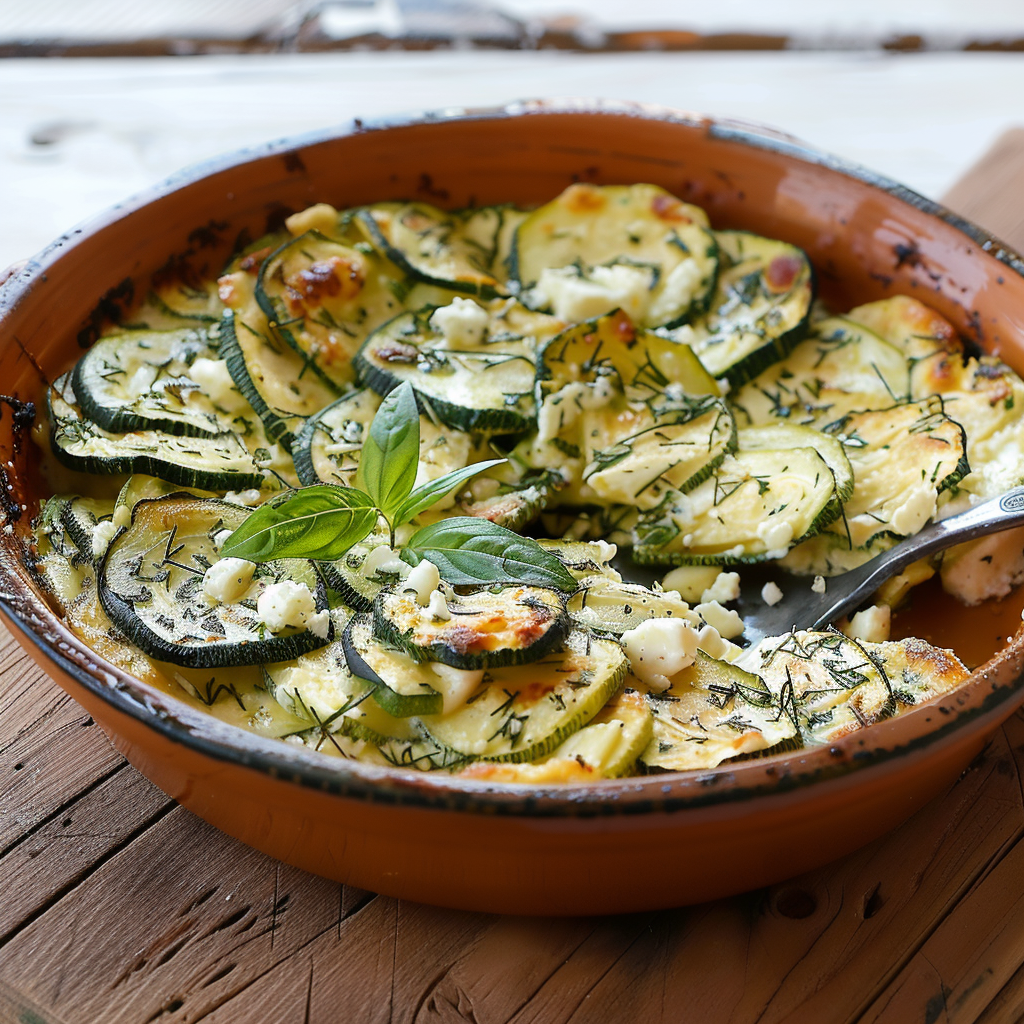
(118, 907)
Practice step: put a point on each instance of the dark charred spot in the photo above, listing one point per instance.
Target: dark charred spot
(427, 187)
(108, 311)
(907, 254)
(207, 236)
(293, 163)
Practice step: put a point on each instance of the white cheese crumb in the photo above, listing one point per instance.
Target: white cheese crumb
(871, 625)
(574, 297)
(725, 588)
(319, 624)
(659, 648)
(384, 559)
(220, 538)
(676, 294)
(286, 604)
(916, 510)
(725, 620)
(8, 529)
(710, 641)
(818, 586)
(249, 498)
(776, 534)
(456, 685)
(771, 594)
(605, 551)
(984, 568)
(462, 322)
(228, 579)
(423, 580)
(216, 384)
(437, 607)
(102, 535)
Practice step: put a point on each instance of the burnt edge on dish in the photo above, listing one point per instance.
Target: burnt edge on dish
(643, 795)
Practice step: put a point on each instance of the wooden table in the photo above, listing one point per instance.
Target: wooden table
(120, 906)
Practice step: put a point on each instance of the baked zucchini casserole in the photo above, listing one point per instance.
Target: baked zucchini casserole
(373, 489)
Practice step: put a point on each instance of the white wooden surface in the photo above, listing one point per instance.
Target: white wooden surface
(78, 135)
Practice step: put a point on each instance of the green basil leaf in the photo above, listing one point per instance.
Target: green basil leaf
(434, 490)
(320, 522)
(391, 451)
(469, 551)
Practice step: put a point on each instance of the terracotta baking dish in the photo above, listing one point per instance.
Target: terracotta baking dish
(621, 845)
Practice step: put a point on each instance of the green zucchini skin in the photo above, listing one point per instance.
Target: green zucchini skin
(400, 687)
(184, 629)
(219, 463)
(115, 359)
(525, 622)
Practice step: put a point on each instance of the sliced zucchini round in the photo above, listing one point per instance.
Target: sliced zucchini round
(584, 558)
(485, 629)
(345, 575)
(470, 385)
(611, 607)
(600, 247)
(760, 308)
(523, 713)
(275, 380)
(715, 712)
(517, 505)
(218, 463)
(916, 670)
(81, 516)
(840, 368)
(827, 684)
(454, 250)
(323, 298)
(401, 686)
(151, 586)
(677, 452)
(757, 504)
(139, 380)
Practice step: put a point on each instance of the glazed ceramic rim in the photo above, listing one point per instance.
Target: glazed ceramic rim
(727, 784)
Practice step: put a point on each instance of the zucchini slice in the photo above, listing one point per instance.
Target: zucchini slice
(760, 308)
(327, 447)
(911, 326)
(218, 463)
(756, 505)
(781, 435)
(677, 452)
(485, 629)
(715, 712)
(522, 713)
(323, 298)
(597, 248)
(80, 517)
(584, 558)
(454, 250)
(842, 367)
(401, 686)
(151, 586)
(345, 575)
(477, 379)
(607, 747)
(827, 684)
(903, 458)
(514, 506)
(140, 380)
(610, 607)
(916, 670)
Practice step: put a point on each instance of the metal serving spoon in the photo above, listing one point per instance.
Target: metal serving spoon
(802, 608)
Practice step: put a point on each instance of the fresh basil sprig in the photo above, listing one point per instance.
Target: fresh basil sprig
(472, 551)
(325, 520)
(320, 522)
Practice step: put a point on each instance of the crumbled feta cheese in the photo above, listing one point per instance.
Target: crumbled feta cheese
(249, 498)
(725, 620)
(710, 641)
(141, 380)
(561, 409)
(916, 510)
(423, 580)
(984, 568)
(228, 579)
(771, 593)
(456, 685)
(659, 648)
(321, 217)
(220, 538)
(384, 560)
(776, 534)
(605, 551)
(462, 322)
(352, 431)
(725, 588)
(214, 381)
(437, 607)
(286, 604)
(319, 624)
(574, 297)
(818, 586)
(690, 581)
(102, 535)
(872, 624)
(676, 294)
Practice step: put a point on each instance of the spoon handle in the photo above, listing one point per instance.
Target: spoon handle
(990, 516)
